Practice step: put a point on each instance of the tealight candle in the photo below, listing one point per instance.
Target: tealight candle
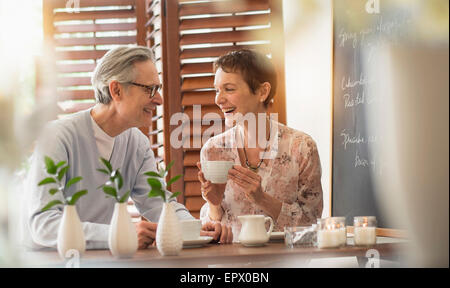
(365, 230)
(332, 233)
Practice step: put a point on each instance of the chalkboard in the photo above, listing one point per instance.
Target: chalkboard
(361, 28)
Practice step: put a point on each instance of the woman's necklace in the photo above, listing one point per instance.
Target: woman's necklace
(255, 169)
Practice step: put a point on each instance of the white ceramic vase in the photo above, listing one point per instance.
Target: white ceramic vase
(122, 240)
(70, 233)
(169, 240)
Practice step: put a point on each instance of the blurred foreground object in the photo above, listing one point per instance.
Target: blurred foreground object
(413, 122)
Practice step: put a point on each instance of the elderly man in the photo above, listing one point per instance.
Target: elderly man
(126, 85)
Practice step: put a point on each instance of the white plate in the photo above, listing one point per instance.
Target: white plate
(277, 236)
(197, 242)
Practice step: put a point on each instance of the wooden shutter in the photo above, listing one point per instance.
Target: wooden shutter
(82, 35)
(153, 40)
(194, 34)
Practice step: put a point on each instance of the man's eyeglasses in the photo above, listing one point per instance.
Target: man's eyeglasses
(150, 90)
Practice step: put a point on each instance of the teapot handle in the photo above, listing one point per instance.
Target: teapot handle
(271, 225)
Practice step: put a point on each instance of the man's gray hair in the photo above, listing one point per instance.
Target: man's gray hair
(117, 64)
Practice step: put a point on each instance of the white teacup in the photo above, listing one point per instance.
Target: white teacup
(216, 171)
(190, 229)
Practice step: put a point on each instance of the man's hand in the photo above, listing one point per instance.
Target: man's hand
(146, 232)
(220, 232)
(213, 193)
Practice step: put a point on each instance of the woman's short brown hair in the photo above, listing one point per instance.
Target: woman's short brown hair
(254, 67)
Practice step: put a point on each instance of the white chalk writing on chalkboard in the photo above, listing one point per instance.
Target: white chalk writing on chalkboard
(351, 100)
(360, 162)
(348, 82)
(348, 36)
(351, 139)
(364, 37)
(347, 139)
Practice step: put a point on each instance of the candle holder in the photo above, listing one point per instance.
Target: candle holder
(365, 230)
(332, 232)
(304, 236)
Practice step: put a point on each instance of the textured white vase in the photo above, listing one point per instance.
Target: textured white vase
(169, 240)
(122, 240)
(70, 232)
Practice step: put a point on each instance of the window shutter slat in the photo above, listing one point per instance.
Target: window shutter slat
(84, 28)
(188, 53)
(74, 81)
(96, 41)
(221, 37)
(91, 15)
(199, 98)
(191, 159)
(197, 83)
(217, 113)
(94, 3)
(75, 95)
(80, 55)
(71, 68)
(224, 22)
(194, 203)
(193, 189)
(190, 173)
(196, 68)
(222, 7)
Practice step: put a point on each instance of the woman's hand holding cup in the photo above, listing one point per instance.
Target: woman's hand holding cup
(212, 193)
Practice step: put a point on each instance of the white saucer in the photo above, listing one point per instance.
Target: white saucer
(202, 240)
(277, 236)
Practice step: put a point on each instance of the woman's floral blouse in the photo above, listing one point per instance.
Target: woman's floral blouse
(292, 176)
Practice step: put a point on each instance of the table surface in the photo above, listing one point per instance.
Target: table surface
(273, 254)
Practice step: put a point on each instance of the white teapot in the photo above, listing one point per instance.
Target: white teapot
(253, 231)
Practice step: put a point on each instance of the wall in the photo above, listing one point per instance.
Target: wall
(308, 34)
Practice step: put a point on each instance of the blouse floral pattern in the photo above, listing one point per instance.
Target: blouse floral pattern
(292, 175)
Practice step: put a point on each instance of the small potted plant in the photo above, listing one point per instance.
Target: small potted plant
(122, 240)
(70, 232)
(169, 240)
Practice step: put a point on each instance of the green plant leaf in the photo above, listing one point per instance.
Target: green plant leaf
(170, 165)
(103, 171)
(174, 195)
(76, 196)
(110, 191)
(154, 183)
(119, 179)
(60, 164)
(62, 172)
(125, 197)
(152, 174)
(53, 191)
(50, 165)
(73, 181)
(155, 193)
(107, 164)
(174, 179)
(51, 204)
(47, 181)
